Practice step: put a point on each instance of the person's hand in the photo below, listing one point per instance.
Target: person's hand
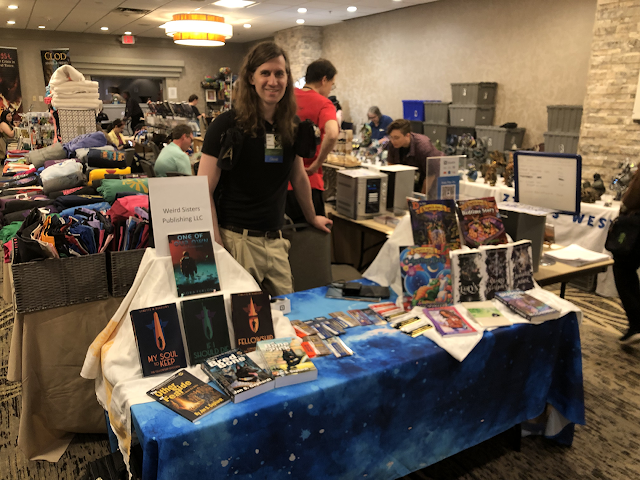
(311, 169)
(321, 223)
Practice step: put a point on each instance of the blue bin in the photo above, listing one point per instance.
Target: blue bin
(413, 110)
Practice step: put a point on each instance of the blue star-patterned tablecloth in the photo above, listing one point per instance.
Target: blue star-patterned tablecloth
(396, 406)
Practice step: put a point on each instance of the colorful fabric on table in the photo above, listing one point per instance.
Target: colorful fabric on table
(106, 159)
(99, 173)
(110, 187)
(84, 190)
(96, 207)
(123, 208)
(67, 201)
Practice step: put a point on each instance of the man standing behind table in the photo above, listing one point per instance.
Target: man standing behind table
(314, 104)
(132, 110)
(193, 101)
(408, 148)
(173, 158)
(250, 168)
(378, 123)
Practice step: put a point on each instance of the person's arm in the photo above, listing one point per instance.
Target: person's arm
(331, 132)
(209, 168)
(184, 165)
(302, 188)
(8, 131)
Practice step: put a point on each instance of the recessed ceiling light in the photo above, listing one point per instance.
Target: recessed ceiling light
(300, 21)
(302, 10)
(104, 28)
(233, 3)
(127, 33)
(247, 25)
(198, 8)
(12, 7)
(352, 9)
(11, 22)
(41, 26)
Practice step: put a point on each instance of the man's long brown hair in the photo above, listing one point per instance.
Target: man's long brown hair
(247, 102)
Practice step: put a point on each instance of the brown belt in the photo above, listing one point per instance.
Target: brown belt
(253, 233)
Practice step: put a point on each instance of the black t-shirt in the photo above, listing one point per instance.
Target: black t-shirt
(253, 193)
(196, 112)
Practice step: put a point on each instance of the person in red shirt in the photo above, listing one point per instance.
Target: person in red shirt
(314, 105)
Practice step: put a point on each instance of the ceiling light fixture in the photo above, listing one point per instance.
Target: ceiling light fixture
(104, 28)
(41, 26)
(300, 21)
(352, 9)
(12, 7)
(247, 25)
(233, 3)
(127, 33)
(302, 10)
(11, 22)
(198, 29)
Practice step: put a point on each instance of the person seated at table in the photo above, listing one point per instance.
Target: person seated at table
(173, 157)
(115, 134)
(408, 148)
(193, 101)
(378, 123)
(7, 132)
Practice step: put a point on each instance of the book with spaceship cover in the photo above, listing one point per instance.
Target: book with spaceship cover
(287, 360)
(426, 276)
(205, 328)
(188, 396)
(159, 339)
(251, 318)
(434, 223)
(480, 223)
(194, 264)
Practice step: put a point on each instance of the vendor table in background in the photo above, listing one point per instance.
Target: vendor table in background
(398, 405)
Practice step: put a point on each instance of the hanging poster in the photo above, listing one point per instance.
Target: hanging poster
(53, 59)
(10, 93)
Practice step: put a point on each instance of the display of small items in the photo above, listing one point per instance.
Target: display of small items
(620, 182)
(591, 192)
(218, 91)
(38, 128)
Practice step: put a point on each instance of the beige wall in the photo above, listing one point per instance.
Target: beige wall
(199, 61)
(537, 50)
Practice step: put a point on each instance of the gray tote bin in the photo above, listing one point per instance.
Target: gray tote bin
(564, 118)
(436, 112)
(471, 115)
(561, 142)
(497, 138)
(435, 132)
(483, 93)
(416, 127)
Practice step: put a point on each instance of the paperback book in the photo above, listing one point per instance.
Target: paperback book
(159, 339)
(251, 318)
(194, 264)
(480, 222)
(521, 262)
(346, 318)
(205, 328)
(527, 306)
(238, 376)
(188, 396)
(448, 322)
(426, 276)
(486, 314)
(467, 275)
(434, 223)
(318, 344)
(287, 360)
(497, 270)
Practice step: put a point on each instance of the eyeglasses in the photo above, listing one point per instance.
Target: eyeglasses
(333, 87)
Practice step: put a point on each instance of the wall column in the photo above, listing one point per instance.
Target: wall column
(303, 45)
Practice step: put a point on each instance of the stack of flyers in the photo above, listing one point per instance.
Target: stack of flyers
(416, 328)
(338, 347)
(360, 316)
(346, 318)
(303, 329)
(332, 324)
(318, 345)
(400, 321)
(386, 309)
(325, 328)
(375, 317)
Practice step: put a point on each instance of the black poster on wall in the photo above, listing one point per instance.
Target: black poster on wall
(52, 60)
(10, 92)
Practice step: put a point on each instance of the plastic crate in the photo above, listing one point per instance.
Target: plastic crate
(586, 283)
(57, 282)
(122, 268)
(435, 132)
(564, 118)
(483, 93)
(497, 138)
(416, 127)
(561, 142)
(436, 112)
(471, 115)
(413, 110)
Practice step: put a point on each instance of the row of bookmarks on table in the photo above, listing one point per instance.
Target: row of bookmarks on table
(495, 270)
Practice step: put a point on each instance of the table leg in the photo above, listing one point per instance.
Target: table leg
(563, 288)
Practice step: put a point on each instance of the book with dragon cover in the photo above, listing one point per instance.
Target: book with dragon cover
(194, 264)
(287, 360)
(251, 318)
(188, 396)
(480, 223)
(434, 223)
(426, 276)
(205, 328)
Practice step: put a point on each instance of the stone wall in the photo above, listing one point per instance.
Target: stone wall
(303, 45)
(608, 135)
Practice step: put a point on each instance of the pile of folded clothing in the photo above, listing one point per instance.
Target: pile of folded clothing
(69, 90)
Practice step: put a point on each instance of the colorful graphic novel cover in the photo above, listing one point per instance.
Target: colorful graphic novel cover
(426, 277)
(434, 223)
(496, 261)
(467, 270)
(188, 395)
(486, 314)
(159, 339)
(480, 223)
(527, 306)
(448, 321)
(194, 264)
(287, 360)
(205, 328)
(251, 318)
(521, 265)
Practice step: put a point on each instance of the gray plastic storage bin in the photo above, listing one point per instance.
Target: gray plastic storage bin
(561, 142)
(471, 115)
(483, 93)
(436, 112)
(435, 132)
(416, 127)
(564, 118)
(497, 138)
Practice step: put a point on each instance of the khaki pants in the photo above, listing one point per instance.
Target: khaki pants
(267, 260)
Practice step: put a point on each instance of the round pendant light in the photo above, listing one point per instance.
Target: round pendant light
(198, 29)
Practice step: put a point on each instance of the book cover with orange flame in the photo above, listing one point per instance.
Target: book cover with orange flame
(251, 316)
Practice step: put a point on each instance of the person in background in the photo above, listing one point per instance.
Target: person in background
(140, 133)
(173, 158)
(115, 96)
(115, 134)
(338, 107)
(7, 132)
(314, 105)
(133, 110)
(250, 183)
(378, 123)
(193, 101)
(408, 148)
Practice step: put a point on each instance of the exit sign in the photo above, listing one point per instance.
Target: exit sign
(128, 39)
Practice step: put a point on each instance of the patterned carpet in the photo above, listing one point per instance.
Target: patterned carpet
(606, 448)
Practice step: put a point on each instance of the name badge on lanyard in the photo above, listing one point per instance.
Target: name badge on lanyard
(273, 152)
